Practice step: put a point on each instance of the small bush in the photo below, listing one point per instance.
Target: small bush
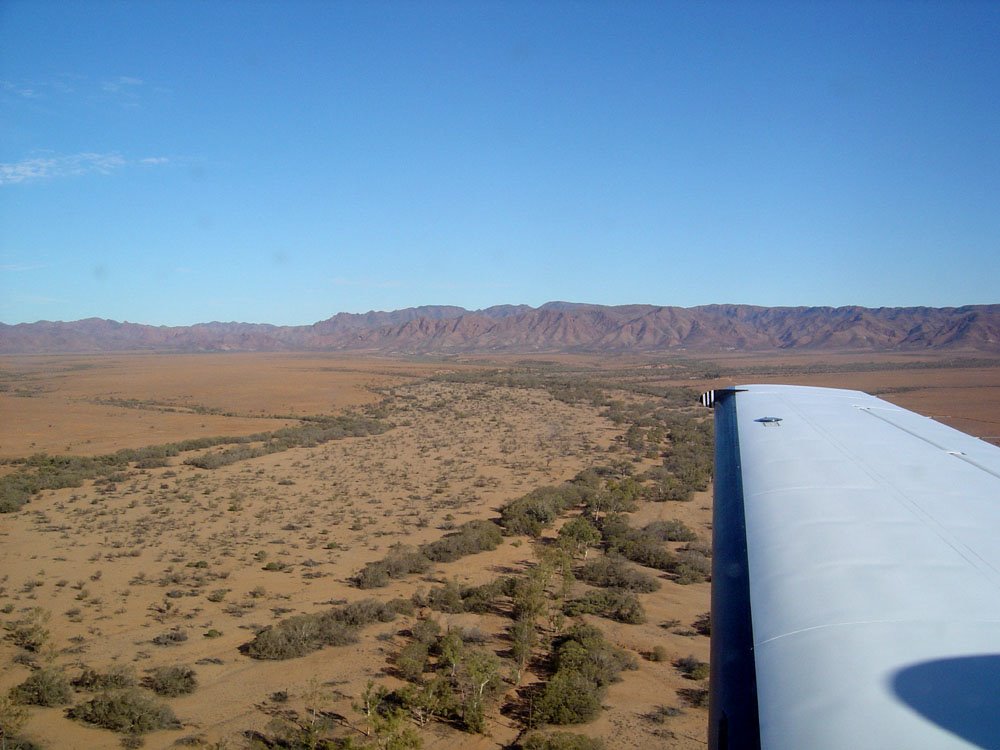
(171, 681)
(426, 631)
(129, 711)
(569, 697)
(46, 687)
(561, 741)
(470, 538)
(400, 561)
(658, 653)
(703, 624)
(670, 531)
(694, 697)
(29, 632)
(118, 676)
(622, 606)
(692, 668)
(538, 509)
(692, 567)
(613, 571)
(172, 637)
(483, 599)
(447, 598)
(303, 634)
(585, 663)
(364, 612)
(412, 660)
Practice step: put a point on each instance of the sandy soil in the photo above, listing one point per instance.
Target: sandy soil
(116, 566)
(89, 405)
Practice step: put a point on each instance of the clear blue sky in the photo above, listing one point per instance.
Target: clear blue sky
(180, 162)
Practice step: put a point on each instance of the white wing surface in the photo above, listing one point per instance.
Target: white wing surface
(856, 581)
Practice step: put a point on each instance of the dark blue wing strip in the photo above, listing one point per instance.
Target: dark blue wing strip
(733, 716)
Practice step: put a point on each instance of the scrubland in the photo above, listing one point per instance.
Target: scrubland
(313, 551)
(426, 580)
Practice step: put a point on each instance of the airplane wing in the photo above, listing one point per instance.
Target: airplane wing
(856, 576)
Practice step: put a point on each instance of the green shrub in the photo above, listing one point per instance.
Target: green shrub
(401, 606)
(302, 634)
(400, 561)
(584, 649)
(537, 510)
(614, 604)
(426, 631)
(645, 550)
(446, 598)
(561, 741)
(659, 653)
(692, 566)
(412, 660)
(363, 612)
(692, 668)
(29, 632)
(117, 676)
(577, 534)
(373, 576)
(171, 681)
(470, 538)
(45, 687)
(670, 531)
(703, 624)
(482, 599)
(172, 637)
(694, 697)
(613, 571)
(584, 664)
(129, 711)
(569, 697)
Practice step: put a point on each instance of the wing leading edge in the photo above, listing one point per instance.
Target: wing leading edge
(856, 575)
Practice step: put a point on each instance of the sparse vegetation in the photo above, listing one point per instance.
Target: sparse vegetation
(692, 668)
(304, 516)
(129, 711)
(615, 572)
(171, 681)
(29, 632)
(622, 606)
(584, 664)
(561, 741)
(303, 634)
(118, 676)
(44, 687)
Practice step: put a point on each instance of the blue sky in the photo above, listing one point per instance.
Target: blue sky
(180, 162)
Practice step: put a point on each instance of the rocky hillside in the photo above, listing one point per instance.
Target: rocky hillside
(555, 326)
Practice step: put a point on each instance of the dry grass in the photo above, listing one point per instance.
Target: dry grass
(180, 565)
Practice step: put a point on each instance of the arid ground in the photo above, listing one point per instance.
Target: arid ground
(164, 562)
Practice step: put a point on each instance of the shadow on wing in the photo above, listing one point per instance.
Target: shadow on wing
(961, 695)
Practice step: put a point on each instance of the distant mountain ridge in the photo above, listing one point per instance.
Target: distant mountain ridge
(553, 327)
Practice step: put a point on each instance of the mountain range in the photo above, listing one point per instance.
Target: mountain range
(553, 327)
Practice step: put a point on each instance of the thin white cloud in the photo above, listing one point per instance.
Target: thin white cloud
(15, 267)
(72, 165)
(121, 83)
(22, 90)
(367, 283)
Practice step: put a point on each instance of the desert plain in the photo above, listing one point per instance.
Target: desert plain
(183, 561)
